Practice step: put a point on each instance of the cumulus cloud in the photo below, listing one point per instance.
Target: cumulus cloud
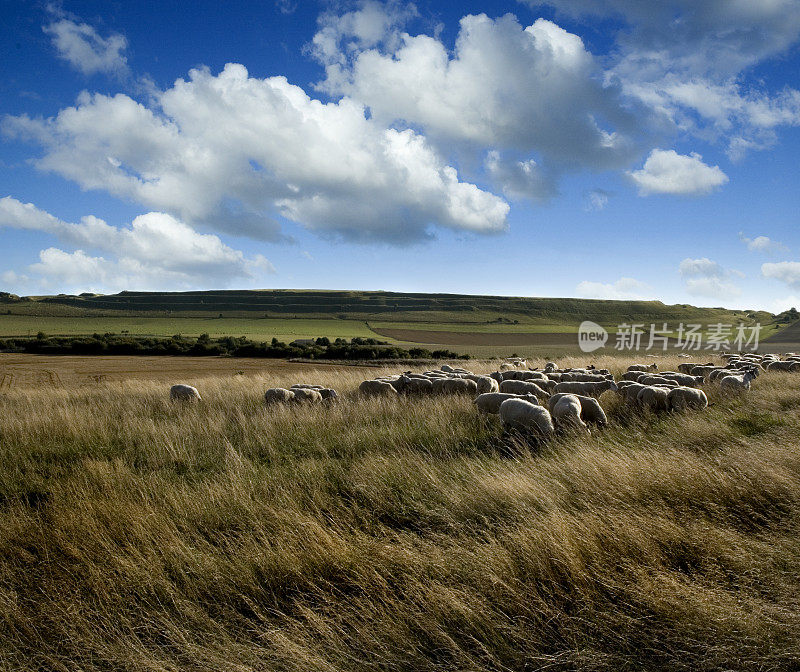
(84, 49)
(763, 244)
(667, 172)
(704, 277)
(371, 24)
(719, 36)
(684, 59)
(624, 288)
(231, 151)
(155, 251)
(787, 272)
(533, 90)
(520, 179)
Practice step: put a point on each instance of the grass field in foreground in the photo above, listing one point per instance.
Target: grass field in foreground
(393, 535)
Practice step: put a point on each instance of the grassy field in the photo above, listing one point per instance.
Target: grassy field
(392, 535)
(254, 328)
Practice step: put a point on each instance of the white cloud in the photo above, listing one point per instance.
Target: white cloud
(714, 287)
(667, 172)
(597, 200)
(701, 267)
(787, 272)
(156, 251)
(82, 47)
(520, 179)
(286, 6)
(503, 87)
(230, 151)
(718, 36)
(685, 60)
(763, 244)
(624, 288)
(704, 277)
(373, 23)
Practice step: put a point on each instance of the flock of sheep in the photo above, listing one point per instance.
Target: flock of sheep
(537, 403)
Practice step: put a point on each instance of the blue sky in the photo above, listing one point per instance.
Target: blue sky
(593, 148)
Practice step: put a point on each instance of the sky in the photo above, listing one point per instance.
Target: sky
(614, 149)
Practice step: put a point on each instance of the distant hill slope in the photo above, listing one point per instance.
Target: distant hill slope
(395, 306)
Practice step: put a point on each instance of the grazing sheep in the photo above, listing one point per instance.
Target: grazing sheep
(566, 413)
(328, 394)
(490, 402)
(414, 385)
(653, 398)
(484, 383)
(527, 418)
(455, 386)
(681, 398)
(505, 366)
(184, 393)
(643, 367)
(633, 375)
(523, 387)
(591, 410)
(377, 388)
(657, 380)
(631, 392)
(304, 395)
(703, 370)
(594, 389)
(789, 365)
(683, 379)
(737, 383)
(717, 374)
(278, 395)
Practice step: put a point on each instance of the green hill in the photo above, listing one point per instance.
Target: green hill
(385, 306)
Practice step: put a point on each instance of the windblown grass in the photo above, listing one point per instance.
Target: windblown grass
(393, 535)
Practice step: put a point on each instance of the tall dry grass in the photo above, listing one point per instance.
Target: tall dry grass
(136, 534)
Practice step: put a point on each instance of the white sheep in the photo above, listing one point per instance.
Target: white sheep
(523, 387)
(527, 418)
(490, 401)
(417, 385)
(328, 394)
(681, 398)
(643, 367)
(485, 383)
(183, 392)
(593, 389)
(591, 410)
(737, 383)
(789, 365)
(455, 386)
(657, 380)
(377, 388)
(278, 395)
(566, 413)
(305, 395)
(654, 398)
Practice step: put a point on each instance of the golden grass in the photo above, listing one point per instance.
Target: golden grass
(393, 535)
